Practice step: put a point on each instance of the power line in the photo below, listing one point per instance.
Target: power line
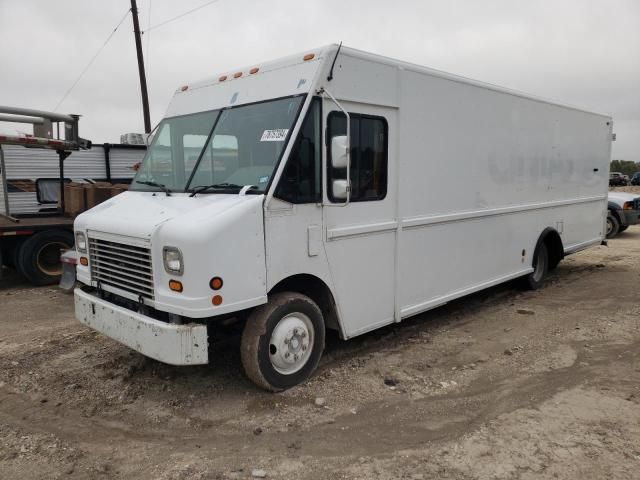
(180, 16)
(91, 61)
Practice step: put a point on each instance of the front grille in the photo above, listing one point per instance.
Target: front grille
(127, 267)
(636, 203)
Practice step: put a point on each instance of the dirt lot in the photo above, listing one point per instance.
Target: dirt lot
(503, 384)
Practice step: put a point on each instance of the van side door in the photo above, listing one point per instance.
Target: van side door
(360, 236)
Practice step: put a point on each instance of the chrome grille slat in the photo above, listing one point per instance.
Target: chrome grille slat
(121, 251)
(124, 284)
(121, 265)
(112, 271)
(117, 266)
(145, 264)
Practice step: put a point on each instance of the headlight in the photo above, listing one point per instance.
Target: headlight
(172, 258)
(81, 242)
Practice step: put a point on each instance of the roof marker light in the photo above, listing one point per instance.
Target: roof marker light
(309, 56)
(222, 78)
(254, 70)
(184, 87)
(237, 75)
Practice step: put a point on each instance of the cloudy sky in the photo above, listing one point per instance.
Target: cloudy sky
(582, 52)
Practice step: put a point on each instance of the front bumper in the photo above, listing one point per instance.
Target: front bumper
(165, 342)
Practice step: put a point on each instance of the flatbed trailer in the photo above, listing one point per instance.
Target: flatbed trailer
(33, 243)
(35, 225)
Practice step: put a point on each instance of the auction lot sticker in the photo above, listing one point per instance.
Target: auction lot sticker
(278, 135)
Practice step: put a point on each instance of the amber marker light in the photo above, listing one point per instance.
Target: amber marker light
(216, 283)
(84, 261)
(254, 70)
(175, 285)
(216, 300)
(308, 56)
(222, 78)
(184, 87)
(237, 75)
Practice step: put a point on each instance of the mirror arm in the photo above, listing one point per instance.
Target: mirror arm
(324, 91)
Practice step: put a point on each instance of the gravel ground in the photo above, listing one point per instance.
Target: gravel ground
(503, 384)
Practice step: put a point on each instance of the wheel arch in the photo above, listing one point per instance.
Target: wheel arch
(551, 238)
(615, 210)
(317, 290)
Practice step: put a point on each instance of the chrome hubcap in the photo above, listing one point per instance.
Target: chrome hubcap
(291, 343)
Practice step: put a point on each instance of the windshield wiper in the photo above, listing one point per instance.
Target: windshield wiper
(154, 184)
(218, 186)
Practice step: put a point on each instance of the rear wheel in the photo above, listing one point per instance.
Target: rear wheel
(38, 258)
(282, 341)
(535, 279)
(613, 225)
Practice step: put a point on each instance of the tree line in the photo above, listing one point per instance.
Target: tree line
(626, 167)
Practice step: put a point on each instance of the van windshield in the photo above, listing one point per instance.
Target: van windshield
(227, 148)
(174, 151)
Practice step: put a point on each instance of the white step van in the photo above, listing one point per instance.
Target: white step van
(334, 189)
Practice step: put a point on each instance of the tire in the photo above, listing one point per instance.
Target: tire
(622, 228)
(535, 279)
(10, 252)
(613, 225)
(290, 319)
(38, 258)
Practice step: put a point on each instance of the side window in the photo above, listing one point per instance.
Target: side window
(301, 180)
(368, 170)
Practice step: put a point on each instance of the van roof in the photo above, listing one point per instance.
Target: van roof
(327, 52)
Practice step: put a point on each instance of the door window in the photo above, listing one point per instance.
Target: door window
(369, 152)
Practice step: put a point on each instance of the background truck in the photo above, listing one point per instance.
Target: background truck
(306, 194)
(36, 222)
(623, 211)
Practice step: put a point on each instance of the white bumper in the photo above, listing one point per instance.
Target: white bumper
(168, 343)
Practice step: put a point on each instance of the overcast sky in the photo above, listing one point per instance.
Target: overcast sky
(581, 52)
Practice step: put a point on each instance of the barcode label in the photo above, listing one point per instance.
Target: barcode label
(278, 135)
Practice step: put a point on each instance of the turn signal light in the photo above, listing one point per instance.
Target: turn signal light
(84, 261)
(308, 56)
(175, 285)
(627, 206)
(216, 300)
(216, 283)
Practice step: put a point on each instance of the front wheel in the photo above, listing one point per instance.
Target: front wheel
(282, 341)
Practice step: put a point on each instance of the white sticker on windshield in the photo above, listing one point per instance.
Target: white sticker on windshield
(278, 135)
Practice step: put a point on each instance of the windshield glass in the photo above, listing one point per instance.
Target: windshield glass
(174, 151)
(245, 145)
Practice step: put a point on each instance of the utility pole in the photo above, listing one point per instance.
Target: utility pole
(143, 77)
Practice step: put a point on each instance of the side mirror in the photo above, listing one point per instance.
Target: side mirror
(339, 151)
(340, 189)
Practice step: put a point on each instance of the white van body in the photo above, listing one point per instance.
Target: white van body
(477, 177)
